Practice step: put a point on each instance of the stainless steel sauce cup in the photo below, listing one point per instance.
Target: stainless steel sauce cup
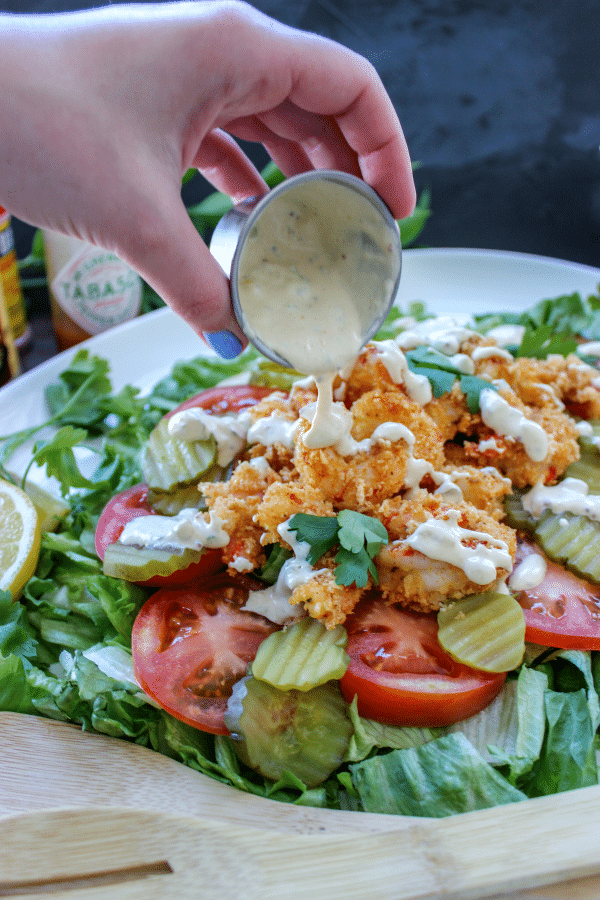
(232, 231)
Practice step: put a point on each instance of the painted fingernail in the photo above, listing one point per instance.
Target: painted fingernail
(225, 343)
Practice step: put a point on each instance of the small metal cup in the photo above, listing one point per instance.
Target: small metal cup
(230, 234)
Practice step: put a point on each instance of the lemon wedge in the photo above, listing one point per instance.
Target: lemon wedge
(20, 538)
(50, 509)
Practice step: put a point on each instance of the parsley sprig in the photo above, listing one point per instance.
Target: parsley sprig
(442, 374)
(358, 537)
(550, 324)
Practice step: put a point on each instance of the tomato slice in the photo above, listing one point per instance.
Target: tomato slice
(402, 676)
(223, 399)
(190, 646)
(131, 504)
(563, 610)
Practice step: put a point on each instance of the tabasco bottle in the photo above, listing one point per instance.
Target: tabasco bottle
(11, 285)
(90, 289)
(10, 365)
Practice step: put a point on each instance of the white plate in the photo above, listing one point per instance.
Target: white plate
(452, 282)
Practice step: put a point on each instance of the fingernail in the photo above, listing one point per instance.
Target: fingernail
(225, 343)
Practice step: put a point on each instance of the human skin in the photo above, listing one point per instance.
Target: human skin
(103, 111)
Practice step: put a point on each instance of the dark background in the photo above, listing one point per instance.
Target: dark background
(500, 104)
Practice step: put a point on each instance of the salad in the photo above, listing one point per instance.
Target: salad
(404, 620)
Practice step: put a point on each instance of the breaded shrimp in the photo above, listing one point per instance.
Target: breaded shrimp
(362, 480)
(325, 600)
(281, 501)
(235, 502)
(424, 582)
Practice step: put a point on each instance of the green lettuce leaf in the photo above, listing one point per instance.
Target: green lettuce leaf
(370, 735)
(568, 758)
(444, 777)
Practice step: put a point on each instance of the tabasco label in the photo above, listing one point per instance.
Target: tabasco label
(9, 277)
(98, 290)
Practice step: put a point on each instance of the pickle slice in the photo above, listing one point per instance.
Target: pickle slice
(306, 733)
(141, 563)
(168, 463)
(170, 503)
(587, 467)
(588, 443)
(484, 631)
(302, 656)
(573, 541)
(516, 514)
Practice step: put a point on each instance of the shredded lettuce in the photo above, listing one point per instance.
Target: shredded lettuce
(444, 777)
(65, 645)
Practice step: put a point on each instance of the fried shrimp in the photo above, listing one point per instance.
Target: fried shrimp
(431, 466)
(408, 575)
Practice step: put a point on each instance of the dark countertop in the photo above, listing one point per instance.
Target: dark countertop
(499, 103)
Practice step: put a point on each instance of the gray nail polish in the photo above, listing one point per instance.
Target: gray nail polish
(225, 343)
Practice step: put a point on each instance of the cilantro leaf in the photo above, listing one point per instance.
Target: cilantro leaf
(354, 568)
(318, 531)
(442, 374)
(441, 381)
(550, 324)
(357, 529)
(360, 538)
(472, 386)
(429, 358)
(543, 341)
(57, 454)
(436, 367)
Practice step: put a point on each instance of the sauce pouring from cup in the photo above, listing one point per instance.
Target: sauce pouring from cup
(314, 268)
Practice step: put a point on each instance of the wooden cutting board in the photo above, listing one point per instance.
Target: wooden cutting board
(88, 816)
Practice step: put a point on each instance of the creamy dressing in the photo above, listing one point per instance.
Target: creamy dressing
(528, 574)
(273, 429)
(273, 602)
(463, 363)
(229, 431)
(318, 268)
(569, 496)
(232, 432)
(551, 393)
(506, 420)
(591, 348)
(443, 334)
(478, 554)
(507, 335)
(585, 429)
(488, 444)
(444, 540)
(487, 352)
(417, 387)
(334, 428)
(241, 564)
(187, 530)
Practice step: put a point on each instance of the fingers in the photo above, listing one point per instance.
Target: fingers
(333, 82)
(289, 155)
(319, 136)
(223, 163)
(167, 251)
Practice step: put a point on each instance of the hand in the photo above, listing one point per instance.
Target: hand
(104, 110)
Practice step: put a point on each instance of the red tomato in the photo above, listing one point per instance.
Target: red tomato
(131, 504)
(401, 675)
(225, 398)
(122, 508)
(562, 611)
(190, 647)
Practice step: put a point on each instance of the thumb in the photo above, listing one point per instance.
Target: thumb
(172, 258)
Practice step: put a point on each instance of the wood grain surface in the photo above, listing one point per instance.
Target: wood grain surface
(88, 816)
